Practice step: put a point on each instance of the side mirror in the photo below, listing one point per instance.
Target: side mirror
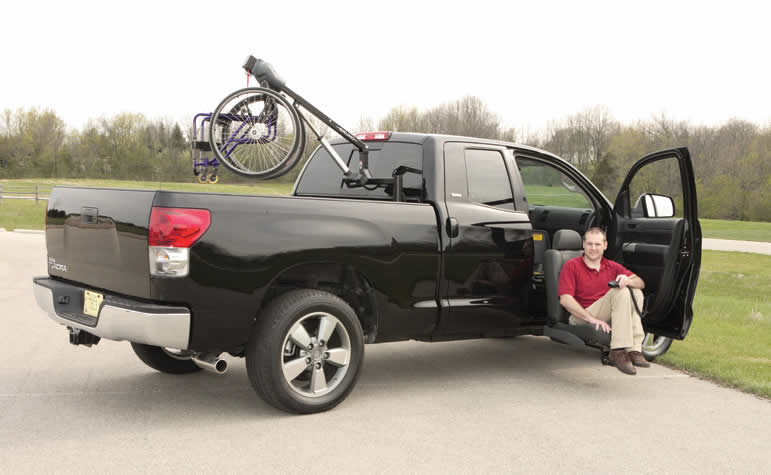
(650, 205)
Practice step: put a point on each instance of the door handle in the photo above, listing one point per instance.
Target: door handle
(452, 227)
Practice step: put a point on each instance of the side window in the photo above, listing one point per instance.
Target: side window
(547, 186)
(652, 184)
(488, 180)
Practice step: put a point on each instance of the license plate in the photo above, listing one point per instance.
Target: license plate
(91, 303)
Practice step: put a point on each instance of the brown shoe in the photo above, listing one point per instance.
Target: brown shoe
(620, 359)
(638, 359)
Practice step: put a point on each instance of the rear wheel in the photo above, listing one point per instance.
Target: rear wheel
(165, 360)
(256, 133)
(654, 346)
(305, 353)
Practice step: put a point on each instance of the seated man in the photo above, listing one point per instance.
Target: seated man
(583, 291)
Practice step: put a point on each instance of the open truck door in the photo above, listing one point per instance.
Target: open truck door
(655, 233)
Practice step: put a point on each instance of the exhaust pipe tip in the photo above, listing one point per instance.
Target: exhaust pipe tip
(211, 362)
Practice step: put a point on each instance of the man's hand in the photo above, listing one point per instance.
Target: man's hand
(575, 309)
(622, 280)
(599, 324)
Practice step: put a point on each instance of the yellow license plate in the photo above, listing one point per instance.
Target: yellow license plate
(537, 237)
(91, 303)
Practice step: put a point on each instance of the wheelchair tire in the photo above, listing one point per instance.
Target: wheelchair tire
(256, 133)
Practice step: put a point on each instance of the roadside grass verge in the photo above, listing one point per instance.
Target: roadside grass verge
(730, 338)
(22, 214)
(739, 230)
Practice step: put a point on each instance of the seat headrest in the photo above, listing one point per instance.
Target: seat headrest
(567, 240)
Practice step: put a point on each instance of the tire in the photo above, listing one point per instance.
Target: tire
(655, 346)
(256, 133)
(163, 360)
(278, 365)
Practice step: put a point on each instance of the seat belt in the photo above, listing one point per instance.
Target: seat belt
(643, 313)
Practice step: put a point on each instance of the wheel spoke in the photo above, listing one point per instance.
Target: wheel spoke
(338, 357)
(294, 368)
(318, 380)
(649, 338)
(300, 336)
(326, 327)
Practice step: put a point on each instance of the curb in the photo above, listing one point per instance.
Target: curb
(29, 231)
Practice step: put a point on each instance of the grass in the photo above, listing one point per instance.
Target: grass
(23, 214)
(740, 230)
(730, 337)
(257, 189)
(556, 195)
(26, 214)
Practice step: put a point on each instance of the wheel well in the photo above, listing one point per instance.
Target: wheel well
(342, 280)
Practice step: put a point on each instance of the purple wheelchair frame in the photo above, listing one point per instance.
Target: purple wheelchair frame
(201, 144)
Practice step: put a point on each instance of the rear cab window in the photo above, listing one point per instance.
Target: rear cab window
(322, 176)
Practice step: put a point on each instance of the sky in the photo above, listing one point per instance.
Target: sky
(531, 62)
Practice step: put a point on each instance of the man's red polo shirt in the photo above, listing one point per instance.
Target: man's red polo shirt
(585, 284)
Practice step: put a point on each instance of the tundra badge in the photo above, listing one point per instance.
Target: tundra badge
(53, 265)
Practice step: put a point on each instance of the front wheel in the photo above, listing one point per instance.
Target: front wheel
(256, 133)
(305, 352)
(654, 346)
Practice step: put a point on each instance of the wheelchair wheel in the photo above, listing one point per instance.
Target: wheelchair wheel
(202, 178)
(256, 133)
(213, 179)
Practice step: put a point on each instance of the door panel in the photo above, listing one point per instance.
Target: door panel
(664, 252)
(488, 264)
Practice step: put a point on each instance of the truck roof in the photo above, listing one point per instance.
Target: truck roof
(421, 138)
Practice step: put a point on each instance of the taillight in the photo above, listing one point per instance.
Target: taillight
(371, 136)
(172, 232)
(177, 227)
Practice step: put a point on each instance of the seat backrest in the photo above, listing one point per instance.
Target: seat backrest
(567, 245)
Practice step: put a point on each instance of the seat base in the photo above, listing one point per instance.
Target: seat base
(577, 335)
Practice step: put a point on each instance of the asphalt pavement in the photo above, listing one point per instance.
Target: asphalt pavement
(736, 246)
(517, 405)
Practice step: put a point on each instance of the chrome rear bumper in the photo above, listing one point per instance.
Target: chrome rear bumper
(119, 318)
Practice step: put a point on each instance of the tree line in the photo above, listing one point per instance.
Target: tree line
(732, 161)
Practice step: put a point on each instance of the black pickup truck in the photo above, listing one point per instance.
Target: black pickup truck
(298, 284)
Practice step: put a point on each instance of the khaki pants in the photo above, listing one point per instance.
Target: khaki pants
(616, 307)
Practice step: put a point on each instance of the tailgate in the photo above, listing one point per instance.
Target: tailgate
(98, 237)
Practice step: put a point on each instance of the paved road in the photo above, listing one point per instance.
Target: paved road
(738, 246)
(518, 405)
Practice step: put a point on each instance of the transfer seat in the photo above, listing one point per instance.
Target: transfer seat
(567, 245)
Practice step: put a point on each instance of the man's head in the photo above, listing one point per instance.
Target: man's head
(595, 244)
